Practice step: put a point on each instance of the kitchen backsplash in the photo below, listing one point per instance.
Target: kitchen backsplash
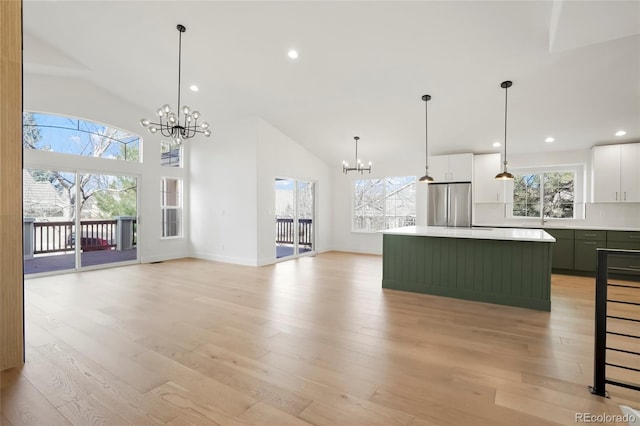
(596, 215)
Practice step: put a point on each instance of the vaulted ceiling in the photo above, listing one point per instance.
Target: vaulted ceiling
(363, 67)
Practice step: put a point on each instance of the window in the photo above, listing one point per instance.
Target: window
(384, 203)
(70, 135)
(550, 193)
(170, 154)
(171, 207)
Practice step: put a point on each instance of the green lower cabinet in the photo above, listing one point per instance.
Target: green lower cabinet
(624, 264)
(563, 249)
(585, 254)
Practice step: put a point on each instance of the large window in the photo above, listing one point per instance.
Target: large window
(70, 135)
(545, 194)
(171, 207)
(384, 203)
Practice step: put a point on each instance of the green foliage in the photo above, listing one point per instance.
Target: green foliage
(550, 194)
(119, 199)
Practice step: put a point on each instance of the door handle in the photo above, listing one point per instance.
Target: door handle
(590, 242)
(616, 195)
(589, 235)
(625, 195)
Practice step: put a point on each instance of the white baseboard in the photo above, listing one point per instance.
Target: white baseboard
(225, 259)
(163, 257)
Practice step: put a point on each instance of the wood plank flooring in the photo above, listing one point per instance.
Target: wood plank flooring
(309, 341)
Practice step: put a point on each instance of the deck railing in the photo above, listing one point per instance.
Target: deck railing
(59, 237)
(623, 331)
(285, 231)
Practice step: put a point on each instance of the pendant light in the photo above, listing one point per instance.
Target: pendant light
(504, 174)
(426, 178)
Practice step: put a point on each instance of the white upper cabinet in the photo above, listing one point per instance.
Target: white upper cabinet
(451, 168)
(630, 172)
(486, 188)
(616, 174)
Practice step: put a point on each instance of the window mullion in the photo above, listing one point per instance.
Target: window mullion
(541, 177)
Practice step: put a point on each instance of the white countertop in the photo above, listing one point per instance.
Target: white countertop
(563, 226)
(509, 234)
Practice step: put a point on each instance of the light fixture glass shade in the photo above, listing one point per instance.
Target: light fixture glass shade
(426, 179)
(504, 175)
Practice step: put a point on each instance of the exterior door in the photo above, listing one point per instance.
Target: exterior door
(73, 220)
(294, 217)
(108, 213)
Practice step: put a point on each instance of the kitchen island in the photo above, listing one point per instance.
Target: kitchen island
(506, 266)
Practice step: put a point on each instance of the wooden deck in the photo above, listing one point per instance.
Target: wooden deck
(284, 250)
(61, 262)
(314, 340)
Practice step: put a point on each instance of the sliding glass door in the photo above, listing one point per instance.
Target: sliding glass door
(76, 220)
(108, 214)
(49, 212)
(294, 217)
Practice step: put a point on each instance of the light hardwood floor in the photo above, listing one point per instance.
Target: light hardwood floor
(308, 341)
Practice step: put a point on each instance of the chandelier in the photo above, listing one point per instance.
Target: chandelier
(172, 124)
(359, 166)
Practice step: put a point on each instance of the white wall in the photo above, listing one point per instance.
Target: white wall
(78, 98)
(344, 239)
(280, 157)
(596, 214)
(223, 194)
(233, 191)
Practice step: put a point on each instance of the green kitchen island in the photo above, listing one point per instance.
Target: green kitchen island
(506, 266)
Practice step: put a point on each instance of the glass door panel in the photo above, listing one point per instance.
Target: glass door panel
(304, 211)
(48, 220)
(285, 216)
(108, 212)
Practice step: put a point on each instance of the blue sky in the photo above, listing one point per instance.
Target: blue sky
(61, 134)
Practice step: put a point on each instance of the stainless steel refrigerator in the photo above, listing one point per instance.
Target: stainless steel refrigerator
(449, 204)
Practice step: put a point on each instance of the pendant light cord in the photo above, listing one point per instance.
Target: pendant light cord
(506, 91)
(426, 138)
(180, 30)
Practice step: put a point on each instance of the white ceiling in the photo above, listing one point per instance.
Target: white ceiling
(363, 68)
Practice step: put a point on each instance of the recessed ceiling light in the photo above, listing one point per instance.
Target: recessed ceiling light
(549, 139)
(193, 88)
(496, 144)
(621, 133)
(293, 54)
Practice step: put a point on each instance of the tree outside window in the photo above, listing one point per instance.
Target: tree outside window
(551, 194)
(384, 203)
